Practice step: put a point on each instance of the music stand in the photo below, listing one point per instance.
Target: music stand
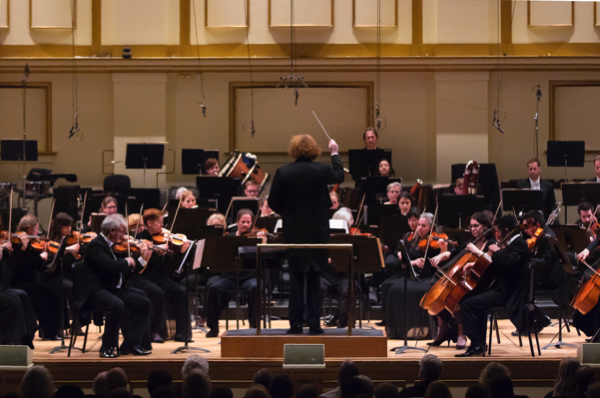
(569, 269)
(487, 185)
(135, 197)
(242, 202)
(453, 208)
(192, 160)
(12, 151)
(190, 218)
(522, 200)
(57, 262)
(576, 192)
(392, 228)
(267, 222)
(375, 212)
(365, 163)
(573, 237)
(220, 188)
(144, 156)
(566, 154)
(371, 186)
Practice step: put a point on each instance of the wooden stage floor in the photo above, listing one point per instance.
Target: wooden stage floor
(400, 369)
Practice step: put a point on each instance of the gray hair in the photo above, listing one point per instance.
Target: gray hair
(431, 220)
(113, 221)
(430, 368)
(37, 383)
(344, 214)
(394, 184)
(194, 362)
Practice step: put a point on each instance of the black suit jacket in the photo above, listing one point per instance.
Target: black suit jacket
(299, 194)
(547, 194)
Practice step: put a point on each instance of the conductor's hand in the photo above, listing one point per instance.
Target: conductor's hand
(333, 147)
(583, 255)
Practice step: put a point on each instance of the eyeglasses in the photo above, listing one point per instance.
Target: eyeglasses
(111, 207)
(474, 226)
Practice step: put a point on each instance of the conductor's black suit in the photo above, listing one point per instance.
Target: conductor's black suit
(299, 194)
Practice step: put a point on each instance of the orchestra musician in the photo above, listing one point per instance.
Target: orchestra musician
(108, 206)
(155, 281)
(106, 291)
(458, 186)
(512, 262)
(219, 294)
(404, 203)
(596, 169)
(370, 137)
(586, 218)
(385, 169)
(299, 194)
(211, 165)
(135, 224)
(188, 200)
(265, 210)
(393, 192)
(251, 189)
(335, 200)
(534, 182)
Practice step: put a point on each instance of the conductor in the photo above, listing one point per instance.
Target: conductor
(299, 194)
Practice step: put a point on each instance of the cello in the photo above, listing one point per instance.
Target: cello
(587, 296)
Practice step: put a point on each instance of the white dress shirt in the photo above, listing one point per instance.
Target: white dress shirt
(536, 185)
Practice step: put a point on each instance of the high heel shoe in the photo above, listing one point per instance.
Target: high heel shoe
(461, 346)
(442, 336)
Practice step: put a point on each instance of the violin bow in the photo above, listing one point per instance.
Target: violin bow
(174, 219)
(81, 221)
(259, 211)
(431, 231)
(359, 221)
(591, 223)
(50, 218)
(10, 215)
(358, 216)
(127, 218)
(497, 211)
(137, 227)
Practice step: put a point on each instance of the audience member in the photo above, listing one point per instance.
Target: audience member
(430, 369)
(500, 386)
(116, 378)
(69, 391)
(386, 390)
(565, 381)
(348, 370)
(119, 393)
(221, 392)
(37, 383)
(593, 390)
(196, 384)
(368, 388)
(194, 362)
(159, 378)
(584, 376)
(352, 387)
(438, 389)
(282, 386)
(100, 385)
(163, 391)
(307, 391)
(492, 369)
(257, 391)
(264, 377)
(477, 391)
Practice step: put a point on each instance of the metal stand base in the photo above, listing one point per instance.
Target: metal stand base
(187, 347)
(401, 349)
(559, 344)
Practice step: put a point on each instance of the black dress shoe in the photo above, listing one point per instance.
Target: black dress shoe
(382, 323)
(52, 338)
(294, 330)
(107, 353)
(331, 323)
(157, 339)
(133, 350)
(541, 323)
(472, 351)
(315, 330)
(212, 333)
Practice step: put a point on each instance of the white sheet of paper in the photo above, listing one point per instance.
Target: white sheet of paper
(199, 251)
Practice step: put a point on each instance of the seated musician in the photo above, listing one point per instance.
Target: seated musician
(590, 322)
(548, 271)
(385, 169)
(188, 200)
(156, 282)
(404, 203)
(458, 186)
(420, 253)
(393, 192)
(448, 327)
(596, 169)
(534, 182)
(135, 224)
(221, 292)
(108, 206)
(62, 227)
(212, 167)
(512, 261)
(335, 200)
(265, 209)
(251, 189)
(105, 291)
(587, 218)
(28, 262)
(370, 137)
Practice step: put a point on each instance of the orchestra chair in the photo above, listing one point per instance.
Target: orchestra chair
(117, 183)
(329, 301)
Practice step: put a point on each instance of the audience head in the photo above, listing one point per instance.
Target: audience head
(584, 376)
(492, 369)
(194, 362)
(221, 392)
(159, 378)
(565, 381)
(119, 393)
(500, 386)
(368, 388)
(477, 391)
(352, 387)
(430, 368)
(163, 392)
(348, 370)
(281, 386)
(307, 391)
(257, 391)
(593, 390)
(438, 389)
(196, 384)
(100, 385)
(386, 390)
(37, 383)
(116, 378)
(69, 391)
(264, 377)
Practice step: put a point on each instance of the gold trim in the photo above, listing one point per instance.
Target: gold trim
(96, 22)
(73, 18)
(506, 22)
(185, 22)
(7, 16)
(247, 15)
(47, 87)
(553, 85)
(529, 25)
(234, 86)
(302, 26)
(374, 26)
(417, 22)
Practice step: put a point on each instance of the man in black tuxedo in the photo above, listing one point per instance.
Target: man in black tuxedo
(106, 292)
(299, 194)
(370, 137)
(596, 169)
(534, 182)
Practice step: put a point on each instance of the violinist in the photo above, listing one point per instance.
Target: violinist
(587, 218)
(108, 206)
(512, 261)
(596, 169)
(219, 294)
(393, 192)
(404, 203)
(416, 248)
(135, 224)
(335, 200)
(385, 169)
(155, 281)
(211, 165)
(548, 271)
(62, 227)
(28, 262)
(458, 186)
(188, 200)
(370, 137)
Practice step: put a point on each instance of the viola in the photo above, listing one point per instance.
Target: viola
(87, 237)
(533, 241)
(354, 231)
(35, 243)
(436, 238)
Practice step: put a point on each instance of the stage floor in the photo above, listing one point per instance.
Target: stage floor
(399, 368)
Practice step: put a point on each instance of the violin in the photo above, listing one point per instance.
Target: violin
(354, 231)
(87, 237)
(436, 238)
(165, 237)
(532, 242)
(35, 243)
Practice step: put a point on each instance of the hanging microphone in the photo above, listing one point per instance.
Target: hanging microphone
(75, 129)
(538, 94)
(25, 74)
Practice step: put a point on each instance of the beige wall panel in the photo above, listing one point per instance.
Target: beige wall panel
(550, 13)
(306, 13)
(576, 115)
(460, 21)
(53, 13)
(140, 22)
(20, 33)
(4, 14)
(225, 13)
(11, 116)
(365, 13)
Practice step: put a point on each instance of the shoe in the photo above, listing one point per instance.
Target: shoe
(157, 339)
(542, 323)
(515, 333)
(133, 350)
(472, 351)
(294, 330)
(442, 337)
(200, 321)
(212, 333)
(315, 330)
(331, 323)
(107, 353)
(460, 346)
(382, 323)
(52, 338)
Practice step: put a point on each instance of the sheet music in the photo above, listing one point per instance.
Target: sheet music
(199, 251)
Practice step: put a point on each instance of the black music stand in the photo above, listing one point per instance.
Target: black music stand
(190, 217)
(239, 202)
(522, 200)
(371, 186)
(569, 269)
(453, 208)
(220, 188)
(566, 154)
(57, 263)
(576, 192)
(267, 223)
(192, 160)
(135, 197)
(376, 211)
(572, 237)
(144, 156)
(365, 163)
(392, 228)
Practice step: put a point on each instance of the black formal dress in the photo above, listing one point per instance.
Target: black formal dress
(547, 194)
(156, 282)
(299, 194)
(105, 291)
(590, 322)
